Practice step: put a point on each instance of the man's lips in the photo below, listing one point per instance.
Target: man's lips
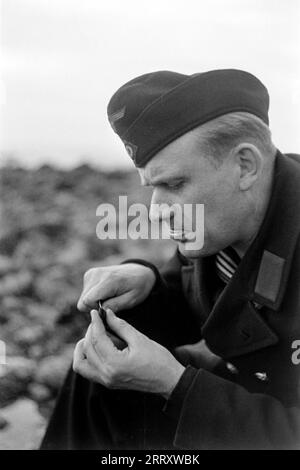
(182, 236)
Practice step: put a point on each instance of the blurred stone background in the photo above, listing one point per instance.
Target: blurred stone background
(47, 241)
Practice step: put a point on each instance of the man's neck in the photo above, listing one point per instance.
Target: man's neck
(242, 246)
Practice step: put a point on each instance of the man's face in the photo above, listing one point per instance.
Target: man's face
(181, 174)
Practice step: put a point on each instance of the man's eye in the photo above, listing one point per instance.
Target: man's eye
(175, 185)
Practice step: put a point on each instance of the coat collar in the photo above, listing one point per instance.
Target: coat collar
(268, 260)
(234, 326)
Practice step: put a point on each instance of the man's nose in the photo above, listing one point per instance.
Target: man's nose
(154, 214)
(159, 208)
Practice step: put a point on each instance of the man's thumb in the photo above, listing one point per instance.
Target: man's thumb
(120, 327)
(117, 304)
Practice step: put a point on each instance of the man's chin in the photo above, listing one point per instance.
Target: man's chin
(188, 251)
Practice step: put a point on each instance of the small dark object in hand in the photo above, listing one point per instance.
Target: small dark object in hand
(102, 313)
(118, 342)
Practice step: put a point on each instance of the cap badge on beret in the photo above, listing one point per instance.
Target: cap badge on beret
(131, 149)
(116, 116)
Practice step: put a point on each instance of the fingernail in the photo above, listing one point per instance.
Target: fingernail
(93, 314)
(110, 313)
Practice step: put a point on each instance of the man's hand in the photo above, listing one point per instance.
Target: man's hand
(143, 365)
(120, 287)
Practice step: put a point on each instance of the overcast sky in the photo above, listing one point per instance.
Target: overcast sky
(63, 59)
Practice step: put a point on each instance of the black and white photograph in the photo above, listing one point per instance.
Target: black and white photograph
(149, 229)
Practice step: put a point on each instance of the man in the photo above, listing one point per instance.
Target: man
(208, 361)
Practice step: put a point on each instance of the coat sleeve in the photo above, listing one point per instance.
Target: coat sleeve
(168, 278)
(214, 413)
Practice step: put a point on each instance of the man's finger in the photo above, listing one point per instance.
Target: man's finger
(121, 302)
(85, 304)
(91, 355)
(122, 329)
(101, 342)
(79, 354)
(90, 349)
(80, 363)
(102, 290)
(82, 306)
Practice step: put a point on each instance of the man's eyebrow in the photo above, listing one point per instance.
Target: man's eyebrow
(161, 179)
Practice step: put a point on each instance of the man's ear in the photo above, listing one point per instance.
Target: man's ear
(250, 161)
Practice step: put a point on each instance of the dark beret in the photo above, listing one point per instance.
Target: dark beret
(154, 109)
